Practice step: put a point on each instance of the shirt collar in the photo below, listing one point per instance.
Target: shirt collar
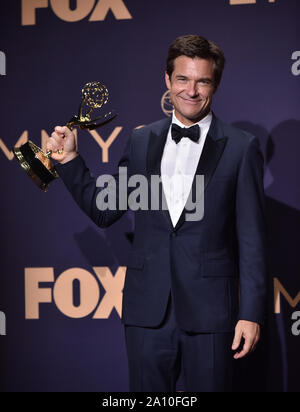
(203, 122)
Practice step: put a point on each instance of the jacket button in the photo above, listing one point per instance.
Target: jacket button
(173, 234)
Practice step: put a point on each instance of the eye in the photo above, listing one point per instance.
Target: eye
(205, 82)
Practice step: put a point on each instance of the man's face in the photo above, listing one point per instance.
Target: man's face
(191, 87)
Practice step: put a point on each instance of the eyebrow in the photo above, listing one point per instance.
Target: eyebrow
(207, 79)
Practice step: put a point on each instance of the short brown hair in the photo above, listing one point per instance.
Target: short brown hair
(196, 46)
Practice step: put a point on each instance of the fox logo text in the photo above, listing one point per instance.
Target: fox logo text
(76, 292)
(97, 9)
(236, 2)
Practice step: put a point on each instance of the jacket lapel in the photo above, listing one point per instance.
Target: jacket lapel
(212, 151)
(156, 145)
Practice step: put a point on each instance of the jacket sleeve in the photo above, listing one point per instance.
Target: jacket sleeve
(83, 187)
(251, 234)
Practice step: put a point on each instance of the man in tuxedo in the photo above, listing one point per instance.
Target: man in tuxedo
(194, 294)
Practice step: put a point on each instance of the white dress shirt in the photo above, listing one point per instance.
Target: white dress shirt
(178, 166)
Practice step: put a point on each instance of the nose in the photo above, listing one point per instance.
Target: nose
(192, 90)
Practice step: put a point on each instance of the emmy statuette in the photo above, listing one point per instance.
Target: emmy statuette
(36, 163)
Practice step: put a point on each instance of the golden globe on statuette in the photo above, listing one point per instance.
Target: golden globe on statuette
(36, 163)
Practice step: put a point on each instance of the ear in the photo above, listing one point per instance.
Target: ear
(168, 81)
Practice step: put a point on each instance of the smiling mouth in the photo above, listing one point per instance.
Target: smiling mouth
(191, 101)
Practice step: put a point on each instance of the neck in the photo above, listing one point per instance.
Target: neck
(188, 121)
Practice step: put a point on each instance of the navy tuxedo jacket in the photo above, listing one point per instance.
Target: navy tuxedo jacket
(215, 267)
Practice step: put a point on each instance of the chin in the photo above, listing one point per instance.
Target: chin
(192, 116)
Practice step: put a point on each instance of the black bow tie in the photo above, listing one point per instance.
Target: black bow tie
(191, 132)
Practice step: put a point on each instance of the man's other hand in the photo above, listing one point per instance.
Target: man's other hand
(248, 333)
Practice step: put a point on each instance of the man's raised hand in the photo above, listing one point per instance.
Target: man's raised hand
(63, 145)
